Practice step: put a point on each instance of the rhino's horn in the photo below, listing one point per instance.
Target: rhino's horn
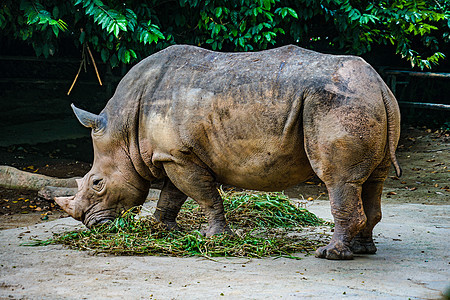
(88, 119)
(67, 204)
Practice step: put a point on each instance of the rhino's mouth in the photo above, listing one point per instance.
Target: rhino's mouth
(94, 217)
(96, 222)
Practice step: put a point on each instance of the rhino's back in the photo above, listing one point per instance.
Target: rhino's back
(219, 73)
(240, 113)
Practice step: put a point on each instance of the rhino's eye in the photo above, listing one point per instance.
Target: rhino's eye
(97, 184)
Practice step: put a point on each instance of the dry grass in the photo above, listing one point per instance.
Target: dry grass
(262, 222)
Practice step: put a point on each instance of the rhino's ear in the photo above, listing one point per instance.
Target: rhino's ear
(79, 182)
(88, 119)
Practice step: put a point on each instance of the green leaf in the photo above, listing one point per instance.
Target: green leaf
(126, 56)
(82, 37)
(216, 29)
(94, 40)
(219, 12)
(241, 42)
(155, 30)
(122, 24)
(114, 61)
(55, 12)
(133, 54)
(43, 21)
(55, 30)
(46, 50)
(110, 27)
(105, 21)
(242, 26)
(38, 50)
(131, 13)
(180, 20)
(62, 25)
(99, 16)
(116, 29)
(32, 18)
(281, 30)
(292, 12)
(90, 9)
(267, 36)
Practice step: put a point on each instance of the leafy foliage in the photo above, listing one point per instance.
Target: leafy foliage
(127, 31)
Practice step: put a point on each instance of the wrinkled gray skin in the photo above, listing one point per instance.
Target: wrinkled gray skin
(265, 121)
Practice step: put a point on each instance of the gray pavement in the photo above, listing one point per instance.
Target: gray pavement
(412, 263)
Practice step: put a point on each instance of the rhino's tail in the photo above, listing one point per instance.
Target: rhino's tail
(393, 126)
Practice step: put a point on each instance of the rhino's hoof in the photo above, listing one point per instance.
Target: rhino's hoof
(334, 252)
(171, 226)
(217, 229)
(168, 225)
(363, 246)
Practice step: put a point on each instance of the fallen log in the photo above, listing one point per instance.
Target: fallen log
(50, 192)
(12, 178)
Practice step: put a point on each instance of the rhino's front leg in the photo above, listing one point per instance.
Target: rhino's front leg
(215, 213)
(169, 204)
(198, 183)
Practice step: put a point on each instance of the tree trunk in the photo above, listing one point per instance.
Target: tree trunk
(50, 192)
(12, 178)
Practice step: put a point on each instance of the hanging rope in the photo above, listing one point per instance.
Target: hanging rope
(83, 63)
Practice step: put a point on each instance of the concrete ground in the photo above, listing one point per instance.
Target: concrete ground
(412, 263)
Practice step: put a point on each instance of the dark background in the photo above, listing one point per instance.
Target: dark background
(35, 89)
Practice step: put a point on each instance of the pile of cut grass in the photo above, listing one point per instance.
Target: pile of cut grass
(262, 222)
(268, 210)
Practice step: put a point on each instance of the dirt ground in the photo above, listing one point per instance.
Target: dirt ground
(69, 158)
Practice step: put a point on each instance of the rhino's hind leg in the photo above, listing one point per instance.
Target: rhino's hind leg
(169, 204)
(349, 219)
(343, 171)
(363, 243)
(199, 184)
(345, 144)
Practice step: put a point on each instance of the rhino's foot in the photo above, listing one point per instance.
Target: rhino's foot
(171, 226)
(217, 228)
(363, 246)
(167, 225)
(335, 250)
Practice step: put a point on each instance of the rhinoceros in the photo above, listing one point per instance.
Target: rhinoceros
(264, 121)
